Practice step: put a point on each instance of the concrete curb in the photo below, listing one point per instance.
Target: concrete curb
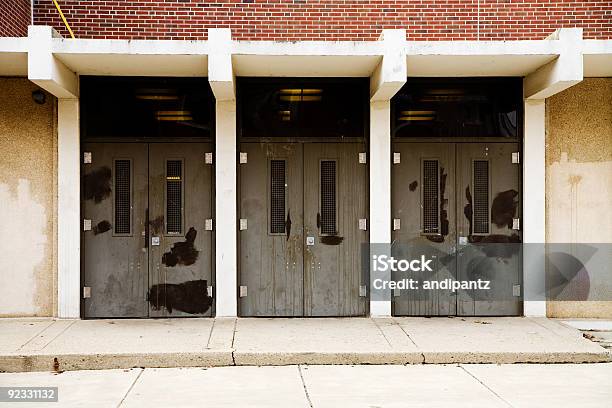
(71, 362)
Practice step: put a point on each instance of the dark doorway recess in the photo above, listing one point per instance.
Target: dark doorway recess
(459, 108)
(146, 108)
(328, 108)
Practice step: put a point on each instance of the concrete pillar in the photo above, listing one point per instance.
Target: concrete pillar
(226, 250)
(68, 209)
(534, 207)
(380, 189)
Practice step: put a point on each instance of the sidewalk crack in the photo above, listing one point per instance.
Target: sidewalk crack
(131, 387)
(305, 388)
(485, 385)
(210, 333)
(59, 334)
(381, 332)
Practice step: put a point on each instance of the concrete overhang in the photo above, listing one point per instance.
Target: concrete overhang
(13, 56)
(133, 57)
(478, 58)
(306, 59)
(597, 58)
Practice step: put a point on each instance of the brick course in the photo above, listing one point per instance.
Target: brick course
(293, 20)
(15, 16)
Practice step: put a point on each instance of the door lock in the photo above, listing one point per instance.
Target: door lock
(310, 241)
(154, 241)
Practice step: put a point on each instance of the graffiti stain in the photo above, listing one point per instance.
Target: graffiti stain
(97, 184)
(189, 297)
(101, 227)
(157, 224)
(182, 253)
(331, 240)
(503, 209)
(413, 186)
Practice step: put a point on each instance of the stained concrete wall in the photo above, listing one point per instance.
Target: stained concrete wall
(28, 187)
(579, 185)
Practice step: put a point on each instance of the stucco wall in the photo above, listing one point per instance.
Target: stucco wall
(27, 196)
(579, 185)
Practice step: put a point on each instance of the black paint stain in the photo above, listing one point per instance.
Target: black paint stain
(503, 209)
(189, 297)
(97, 184)
(182, 253)
(157, 224)
(101, 227)
(497, 251)
(467, 209)
(443, 212)
(288, 224)
(412, 186)
(331, 240)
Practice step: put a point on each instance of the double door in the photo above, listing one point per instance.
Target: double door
(303, 211)
(458, 204)
(147, 230)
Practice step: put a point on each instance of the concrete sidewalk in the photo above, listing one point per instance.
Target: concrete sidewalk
(58, 345)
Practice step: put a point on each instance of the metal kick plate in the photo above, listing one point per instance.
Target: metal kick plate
(155, 241)
(310, 241)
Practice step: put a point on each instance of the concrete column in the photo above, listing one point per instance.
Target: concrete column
(380, 189)
(226, 266)
(68, 209)
(534, 207)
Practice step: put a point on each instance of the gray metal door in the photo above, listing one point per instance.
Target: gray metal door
(452, 203)
(147, 244)
(115, 260)
(300, 240)
(180, 229)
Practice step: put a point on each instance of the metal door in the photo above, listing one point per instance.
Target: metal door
(115, 260)
(147, 244)
(271, 236)
(300, 232)
(454, 203)
(180, 230)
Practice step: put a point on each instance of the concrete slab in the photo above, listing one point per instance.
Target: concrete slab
(15, 333)
(395, 386)
(558, 385)
(77, 389)
(318, 341)
(219, 387)
(589, 324)
(499, 340)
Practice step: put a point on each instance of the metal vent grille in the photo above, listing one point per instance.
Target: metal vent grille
(123, 197)
(174, 197)
(431, 197)
(328, 197)
(277, 196)
(480, 205)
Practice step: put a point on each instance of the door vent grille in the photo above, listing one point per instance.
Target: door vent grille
(174, 196)
(431, 194)
(123, 196)
(480, 205)
(328, 197)
(277, 196)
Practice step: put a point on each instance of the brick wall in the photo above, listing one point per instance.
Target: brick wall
(328, 19)
(15, 16)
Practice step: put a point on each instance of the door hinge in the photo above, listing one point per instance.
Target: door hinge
(243, 291)
(516, 290)
(209, 291)
(396, 292)
(244, 157)
(86, 292)
(244, 224)
(363, 158)
(86, 225)
(362, 291)
(516, 224)
(208, 224)
(397, 158)
(208, 158)
(87, 157)
(397, 224)
(363, 224)
(516, 157)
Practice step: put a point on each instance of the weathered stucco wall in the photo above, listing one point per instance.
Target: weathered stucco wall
(579, 186)
(27, 197)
